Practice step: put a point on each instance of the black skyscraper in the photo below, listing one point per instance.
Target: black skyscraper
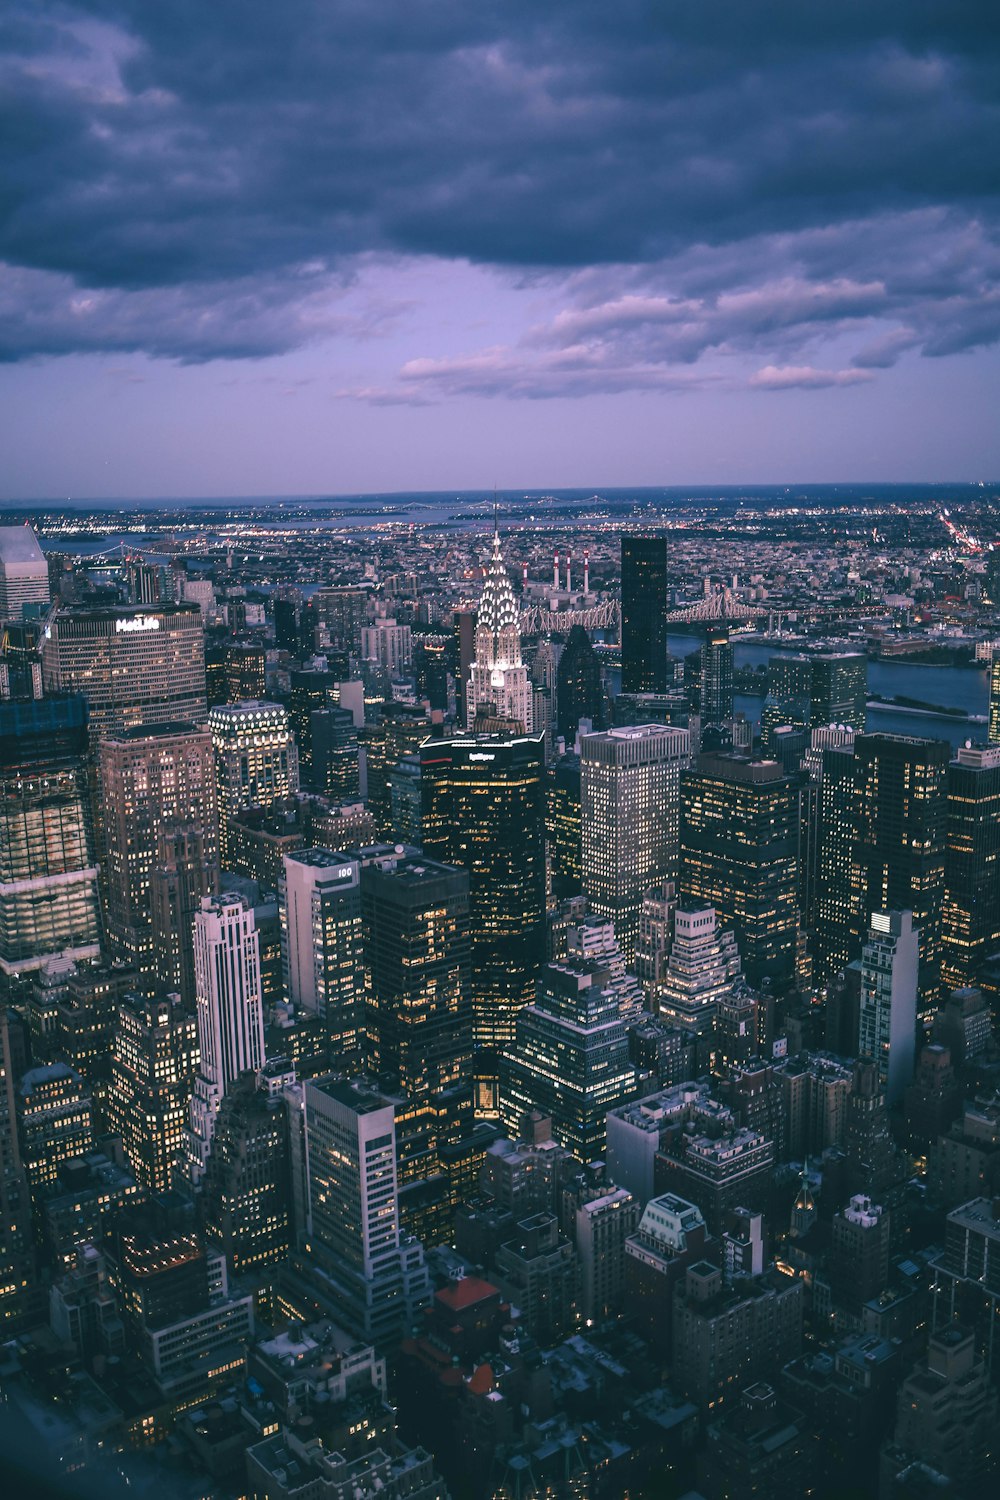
(578, 686)
(484, 808)
(901, 821)
(644, 623)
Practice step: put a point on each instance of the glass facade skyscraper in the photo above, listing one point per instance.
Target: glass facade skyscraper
(630, 799)
(899, 844)
(644, 620)
(49, 900)
(569, 1058)
(739, 854)
(716, 676)
(416, 926)
(483, 802)
(970, 920)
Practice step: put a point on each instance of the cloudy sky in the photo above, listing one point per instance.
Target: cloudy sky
(306, 246)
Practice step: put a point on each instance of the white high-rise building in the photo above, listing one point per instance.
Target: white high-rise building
(499, 685)
(890, 965)
(389, 644)
(701, 971)
(256, 760)
(230, 1011)
(630, 812)
(321, 945)
(593, 942)
(375, 1275)
(24, 573)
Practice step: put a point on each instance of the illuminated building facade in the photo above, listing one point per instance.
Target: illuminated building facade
(563, 827)
(498, 686)
(900, 833)
(375, 1276)
(153, 781)
(245, 672)
(24, 573)
(484, 809)
(644, 620)
(970, 920)
(134, 666)
(834, 932)
(888, 1018)
(230, 1011)
(995, 698)
(55, 1122)
(49, 901)
(17, 1259)
(321, 945)
(702, 968)
(154, 1062)
(630, 797)
(569, 1058)
(716, 676)
(739, 854)
(256, 760)
(416, 926)
(834, 684)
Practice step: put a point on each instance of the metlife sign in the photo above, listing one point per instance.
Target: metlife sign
(137, 622)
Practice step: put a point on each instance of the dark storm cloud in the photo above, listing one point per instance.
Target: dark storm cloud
(197, 180)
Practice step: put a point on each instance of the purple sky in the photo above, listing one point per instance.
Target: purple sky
(335, 245)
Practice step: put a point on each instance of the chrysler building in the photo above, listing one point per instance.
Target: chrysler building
(499, 687)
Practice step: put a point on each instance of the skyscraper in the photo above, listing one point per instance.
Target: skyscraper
(499, 687)
(644, 621)
(17, 1258)
(569, 1058)
(888, 1018)
(739, 854)
(24, 573)
(900, 831)
(579, 694)
(230, 1011)
(256, 760)
(702, 969)
(134, 666)
(630, 799)
(563, 827)
(375, 1277)
(970, 922)
(995, 697)
(154, 1062)
(716, 676)
(185, 870)
(416, 926)
(245, 671)
(154, 782)
(835, 683)
(49, 901)
(484, 809)
(321, 945)
(835, 926)
(246, 1198)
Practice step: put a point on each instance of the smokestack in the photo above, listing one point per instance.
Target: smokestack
(555, 572)
(586, 572)
(569, 584)
(524, 574)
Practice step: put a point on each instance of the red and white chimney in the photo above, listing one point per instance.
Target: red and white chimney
(586, 572)
(555, 572)
(569, 580)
